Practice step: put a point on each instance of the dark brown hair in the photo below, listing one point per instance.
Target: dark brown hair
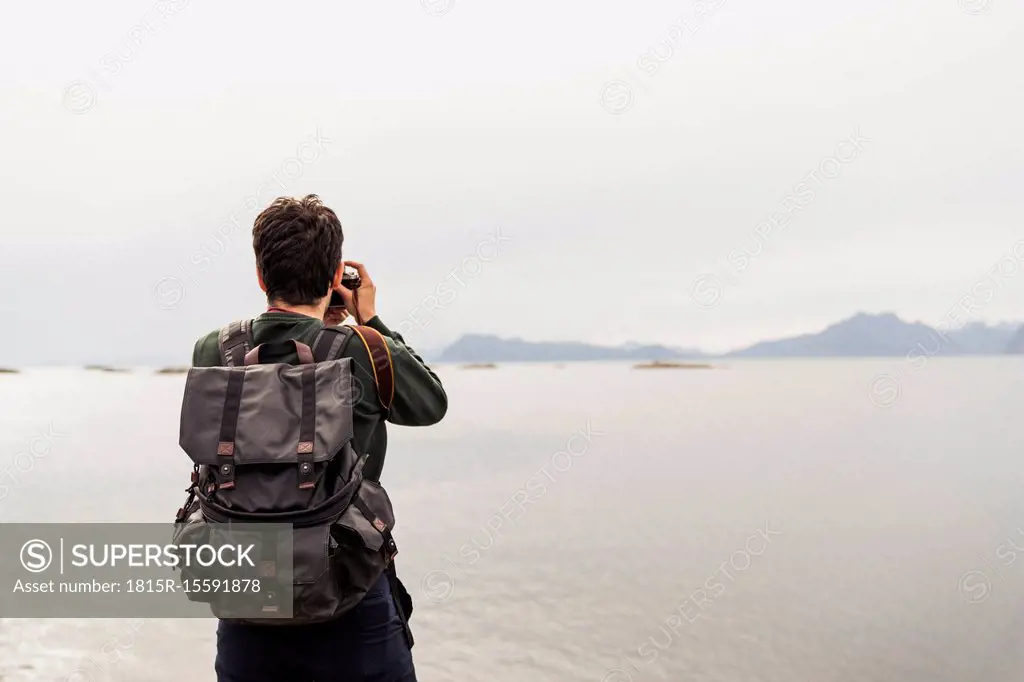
(298, 249)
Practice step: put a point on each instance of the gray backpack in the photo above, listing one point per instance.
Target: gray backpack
(272, 443)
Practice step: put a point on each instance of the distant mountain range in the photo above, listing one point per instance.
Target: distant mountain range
(486, 348)
(1016, 343)
(863, 335)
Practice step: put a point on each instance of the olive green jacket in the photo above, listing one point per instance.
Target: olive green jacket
(419, 398)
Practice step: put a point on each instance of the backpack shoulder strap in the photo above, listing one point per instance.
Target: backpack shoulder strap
(330, 344)
(234, 341)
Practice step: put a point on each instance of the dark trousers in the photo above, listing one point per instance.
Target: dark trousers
(367, 644)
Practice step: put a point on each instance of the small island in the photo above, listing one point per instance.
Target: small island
(173, 370)
(7, 370)
(104, 368)
(663, 364)
(480, 365)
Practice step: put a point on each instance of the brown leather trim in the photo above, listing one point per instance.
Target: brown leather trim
(305, 447)
(304, 352)
(225, 449)
(380, 357)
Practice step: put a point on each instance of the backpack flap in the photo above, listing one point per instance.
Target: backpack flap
(267, 414)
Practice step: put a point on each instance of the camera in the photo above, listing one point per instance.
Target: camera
(351, 281)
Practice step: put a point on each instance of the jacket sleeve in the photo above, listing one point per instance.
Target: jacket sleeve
(419, 399)
(206, 353)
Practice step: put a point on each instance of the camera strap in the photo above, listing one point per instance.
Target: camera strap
(380, 358)
(330, 344)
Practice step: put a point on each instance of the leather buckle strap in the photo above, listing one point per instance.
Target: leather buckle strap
(307, 472)
(379, 524)
(307, 429)
(225, 474)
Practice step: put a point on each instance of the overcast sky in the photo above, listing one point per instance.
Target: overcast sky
(626, 154)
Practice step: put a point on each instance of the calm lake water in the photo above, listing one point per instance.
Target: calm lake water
(762, 521)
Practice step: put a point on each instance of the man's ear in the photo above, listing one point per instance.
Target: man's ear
(338, 274)
(259, 278)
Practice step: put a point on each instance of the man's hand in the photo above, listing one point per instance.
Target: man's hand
(335, 316)
(361, 303)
